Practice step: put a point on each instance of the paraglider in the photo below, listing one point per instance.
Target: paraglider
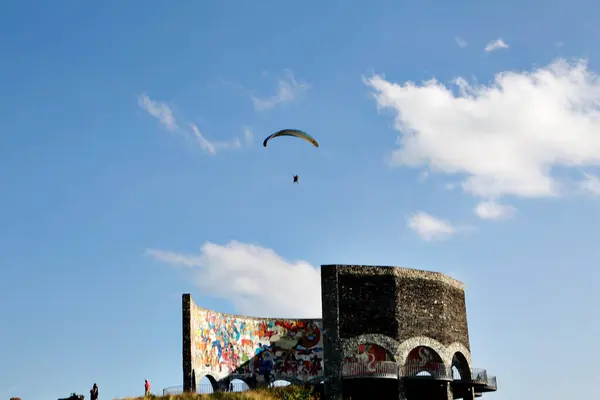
(292, 132)
(295, 133)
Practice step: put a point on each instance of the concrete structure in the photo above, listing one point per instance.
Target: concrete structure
(392, 332)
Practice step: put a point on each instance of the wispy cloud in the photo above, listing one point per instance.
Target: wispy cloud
(158, 110)
(213, 146)
(461, 42)
(495, 45)
(288, 89)
(430, 228)
(590, 184)
(423, 175)
(248, 135)
(494, 211)
(164, 114)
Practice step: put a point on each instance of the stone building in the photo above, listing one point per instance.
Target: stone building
(385, 333)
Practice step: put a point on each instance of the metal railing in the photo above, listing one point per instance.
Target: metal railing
(479, 376)
(376, 369)
(173, 390)
(492, 382)
(207, 388)
(433, 370)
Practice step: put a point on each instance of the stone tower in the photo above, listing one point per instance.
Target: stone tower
(401, 333)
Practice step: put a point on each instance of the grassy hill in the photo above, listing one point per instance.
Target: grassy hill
(279, 393)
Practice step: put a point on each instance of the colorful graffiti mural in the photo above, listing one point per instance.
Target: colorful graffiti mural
(223, 344)
(369, 354)
(424, 358)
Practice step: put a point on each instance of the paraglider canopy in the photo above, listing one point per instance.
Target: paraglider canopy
(292, 132)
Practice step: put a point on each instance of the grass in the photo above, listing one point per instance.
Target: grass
(290, 392)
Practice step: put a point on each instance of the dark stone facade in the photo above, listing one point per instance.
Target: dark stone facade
(395, 308)
(398, 302)
(189, 384)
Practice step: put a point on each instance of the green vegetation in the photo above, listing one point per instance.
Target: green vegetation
(290, 392)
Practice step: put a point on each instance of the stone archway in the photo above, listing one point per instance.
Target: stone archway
(408, 345)
(369, 353)
(461, 348)
(350, 346)
(237, 385)
(445, 352)
(460, 367)
(424, 357)
(213, 382)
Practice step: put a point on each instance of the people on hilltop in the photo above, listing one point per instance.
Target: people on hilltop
(146, 388)
(94, 392)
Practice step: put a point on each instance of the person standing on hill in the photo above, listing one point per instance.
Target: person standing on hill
(146, 388)
(94, 392)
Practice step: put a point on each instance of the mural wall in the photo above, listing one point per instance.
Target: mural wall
(224, 344)
(370, 354)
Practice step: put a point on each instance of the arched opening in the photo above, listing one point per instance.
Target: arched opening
(423, 373)
(238, 385)
(369, 368)
(461, 377)
(424, 361)
(369, 359)
(369, 353)
(460, 367)
(207, 385)
(456, 375)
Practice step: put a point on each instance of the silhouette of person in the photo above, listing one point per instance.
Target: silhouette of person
(94, 392)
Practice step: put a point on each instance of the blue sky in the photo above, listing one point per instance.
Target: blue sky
(108, 215)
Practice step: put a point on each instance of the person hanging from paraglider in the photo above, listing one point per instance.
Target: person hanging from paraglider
(294, 133)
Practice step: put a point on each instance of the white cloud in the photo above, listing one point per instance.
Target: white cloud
(431, 228)
(288, 89)
(255, 279)
(462, 43)
(502, 139)
(212, 147)
(202, 141)
(495, 45)
(164, 114)
(248, 135)
(591, 184)
(160, 111)
(494, 211)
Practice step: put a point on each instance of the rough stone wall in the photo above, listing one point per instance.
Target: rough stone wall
(225, 344)
(188, 382)
(395, 308)
(333, 349)
(400, 303)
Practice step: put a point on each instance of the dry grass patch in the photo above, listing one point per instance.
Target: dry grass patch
(279, 393)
